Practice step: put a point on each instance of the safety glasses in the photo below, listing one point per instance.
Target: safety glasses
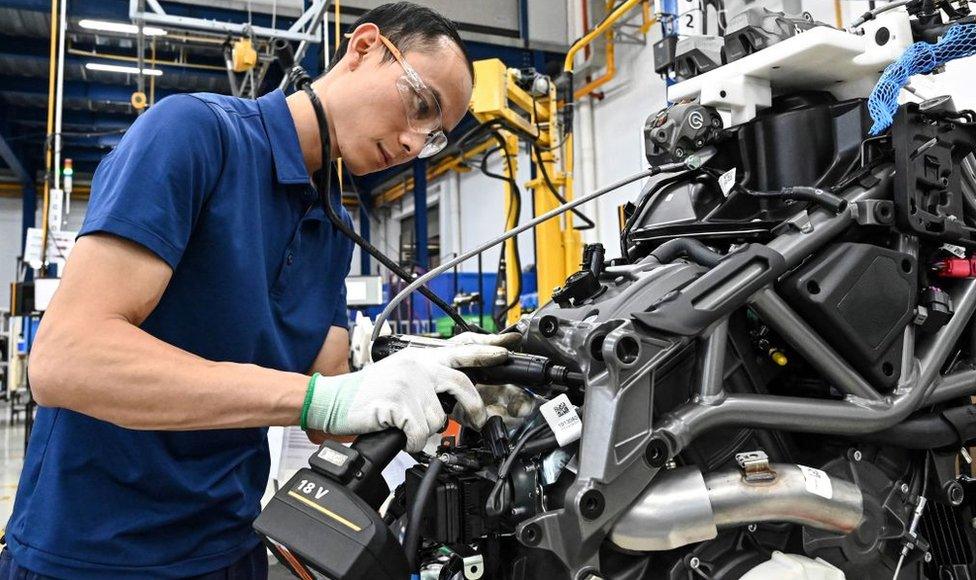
(423, 110)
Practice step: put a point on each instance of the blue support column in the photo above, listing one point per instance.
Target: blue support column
(27, 219)
(313, 61)
(420, 212)
(28, 214)
(669, 26)
(12, 161)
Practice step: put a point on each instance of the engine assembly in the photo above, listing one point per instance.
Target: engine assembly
(776, 374)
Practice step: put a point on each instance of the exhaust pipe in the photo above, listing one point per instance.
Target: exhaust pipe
(681, 506)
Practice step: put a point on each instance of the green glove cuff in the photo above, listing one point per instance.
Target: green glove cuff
(309, 392)
(327, 402)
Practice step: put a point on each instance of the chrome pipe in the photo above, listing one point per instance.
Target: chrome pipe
(682, 507)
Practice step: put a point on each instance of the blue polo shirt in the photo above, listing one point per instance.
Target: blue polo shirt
(216, 186)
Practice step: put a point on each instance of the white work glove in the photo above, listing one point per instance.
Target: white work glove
(508, 340)
(509, 402)
(401, 391)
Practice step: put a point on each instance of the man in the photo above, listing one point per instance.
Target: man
(204, 289)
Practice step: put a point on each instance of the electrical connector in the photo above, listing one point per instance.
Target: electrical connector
(956, 268)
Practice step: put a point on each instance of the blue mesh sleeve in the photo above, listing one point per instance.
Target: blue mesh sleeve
(959, 41)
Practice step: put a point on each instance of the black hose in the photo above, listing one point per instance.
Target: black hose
(515, 209)
(302, 81)
(411, 538)
(814, 195)
(953, 427)
(540, 445)
(931, 432)
(693, 249)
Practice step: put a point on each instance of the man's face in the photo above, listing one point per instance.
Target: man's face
(367, 111)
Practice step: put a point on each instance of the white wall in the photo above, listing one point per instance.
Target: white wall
(618, 122)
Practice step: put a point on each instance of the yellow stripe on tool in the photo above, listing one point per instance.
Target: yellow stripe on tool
(327, 512)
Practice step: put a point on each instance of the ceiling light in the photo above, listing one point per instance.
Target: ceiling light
(121, 27)
(152, 72)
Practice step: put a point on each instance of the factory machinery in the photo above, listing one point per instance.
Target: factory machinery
(773, 381)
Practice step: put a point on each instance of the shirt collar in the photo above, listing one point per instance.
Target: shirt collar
(283, 138)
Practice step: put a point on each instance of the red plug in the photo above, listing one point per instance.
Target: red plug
(956, 268)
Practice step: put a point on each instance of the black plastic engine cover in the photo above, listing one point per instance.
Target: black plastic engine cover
(929, 150)
(332, 530)
(860, 297)
(455, 513)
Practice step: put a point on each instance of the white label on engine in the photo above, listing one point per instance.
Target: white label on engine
(817, 481)
(957, 251)
(726, 181)
(563, 419)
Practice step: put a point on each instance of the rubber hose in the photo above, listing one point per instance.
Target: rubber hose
(692, 249)
(928, 432)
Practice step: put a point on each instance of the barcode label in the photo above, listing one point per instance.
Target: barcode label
(726, 181)
(562, 418)
(817, 482)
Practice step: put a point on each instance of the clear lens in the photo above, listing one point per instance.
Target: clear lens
(423, 114)
(436, 142)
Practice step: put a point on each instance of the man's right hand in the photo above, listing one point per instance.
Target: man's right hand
(401, 391)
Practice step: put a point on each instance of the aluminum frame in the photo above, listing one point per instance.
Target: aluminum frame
(621, 449)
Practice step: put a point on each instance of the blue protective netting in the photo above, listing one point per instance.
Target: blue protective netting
(959, 41)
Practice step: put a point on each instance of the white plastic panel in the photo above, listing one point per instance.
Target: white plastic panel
(823, 58)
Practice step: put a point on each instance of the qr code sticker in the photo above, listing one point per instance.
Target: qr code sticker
(561, 408)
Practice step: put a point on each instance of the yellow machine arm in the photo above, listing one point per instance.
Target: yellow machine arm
(498, 97)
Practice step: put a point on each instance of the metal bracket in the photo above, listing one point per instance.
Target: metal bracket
(755, 466)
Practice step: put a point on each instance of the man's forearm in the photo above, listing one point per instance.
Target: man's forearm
(114, 371)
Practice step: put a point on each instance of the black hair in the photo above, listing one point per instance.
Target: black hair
(409, 27)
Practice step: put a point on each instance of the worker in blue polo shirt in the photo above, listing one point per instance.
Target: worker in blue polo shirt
(205, 289)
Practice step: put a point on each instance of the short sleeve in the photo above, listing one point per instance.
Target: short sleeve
(151, 188)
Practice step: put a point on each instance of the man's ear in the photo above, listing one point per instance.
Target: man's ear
(365, 38)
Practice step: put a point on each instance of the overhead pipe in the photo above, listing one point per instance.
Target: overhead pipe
(586, 40)
(125, 58)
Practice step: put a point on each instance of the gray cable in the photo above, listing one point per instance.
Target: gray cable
(693, 161)
(871, 14)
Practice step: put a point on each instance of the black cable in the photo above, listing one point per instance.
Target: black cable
(411, 538)
(639, 209)
(492, 505)
(516, 209)
(541, 445)
(555, 192)
(302, 81)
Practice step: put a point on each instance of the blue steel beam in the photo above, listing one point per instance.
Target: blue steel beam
(13, 162)
(74, 89)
